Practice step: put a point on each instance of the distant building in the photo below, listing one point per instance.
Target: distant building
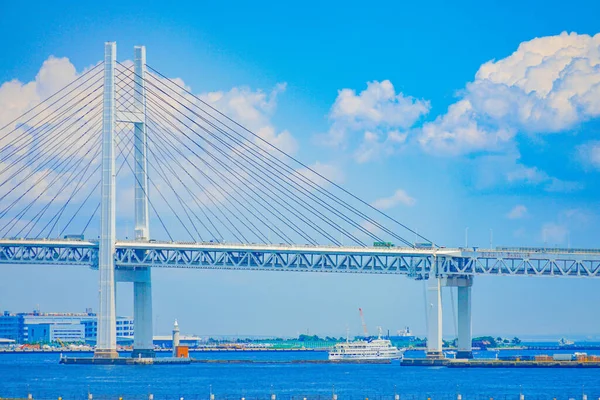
(124, 329)
(166, 341)
(12, 327)
(38, 327)
(402, 338)
(48, 333)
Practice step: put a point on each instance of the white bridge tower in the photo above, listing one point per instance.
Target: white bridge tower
(140, 277)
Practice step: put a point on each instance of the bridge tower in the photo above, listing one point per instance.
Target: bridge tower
(106, 339)
(142, 288)
(140, 277)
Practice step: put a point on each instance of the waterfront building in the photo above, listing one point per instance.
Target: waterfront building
(48, 333)
(124, 330)
(166, 341)
(403, 338)
(12, 327)
(36, 327)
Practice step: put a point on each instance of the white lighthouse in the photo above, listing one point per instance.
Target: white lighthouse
(175, 338)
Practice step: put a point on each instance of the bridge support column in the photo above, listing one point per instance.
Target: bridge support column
(465, 335)
(434, 317)
(142, 309)
(143, 344)
(106, 341)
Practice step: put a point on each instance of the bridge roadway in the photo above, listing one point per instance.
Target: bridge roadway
(415, 263)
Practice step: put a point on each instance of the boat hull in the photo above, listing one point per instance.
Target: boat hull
(336, 357)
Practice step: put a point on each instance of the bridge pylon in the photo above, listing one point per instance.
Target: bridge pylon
(139, 276)
(106, 339)
(143, 345)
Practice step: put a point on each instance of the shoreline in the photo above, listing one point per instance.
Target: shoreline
(293, 350)
(37, 351)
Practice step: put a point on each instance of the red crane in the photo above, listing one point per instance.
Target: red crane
(362, 320)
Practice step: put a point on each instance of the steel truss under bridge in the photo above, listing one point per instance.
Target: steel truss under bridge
(415, 263)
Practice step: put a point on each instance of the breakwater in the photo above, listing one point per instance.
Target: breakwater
(184, 361)
(123, 361)
(482, 363)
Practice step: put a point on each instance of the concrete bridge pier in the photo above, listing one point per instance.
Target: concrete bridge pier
(434, 317)
(434, 314)
(465, 335)
(143, 345)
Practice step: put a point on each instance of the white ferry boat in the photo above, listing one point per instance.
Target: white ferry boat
(565, 342)
(376, 349)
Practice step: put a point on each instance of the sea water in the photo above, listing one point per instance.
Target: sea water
(41, 375)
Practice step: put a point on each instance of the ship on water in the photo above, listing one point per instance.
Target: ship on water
(365, 349)
(565, 342)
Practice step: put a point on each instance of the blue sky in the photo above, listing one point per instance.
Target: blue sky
(450, 147)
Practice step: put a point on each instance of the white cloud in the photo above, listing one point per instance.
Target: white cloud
(558, 185)
(55, 74)
(372, 148)
(69, 116)
(370, 227)
(459, 130)
(521, 174)
(487, 171)
(547, 85)
(399, 197)
(253, 110)
(518, 211)
(567, 221)
(369, 149)
(576, 217)
(37, 145)
(378, 109)
(530, 175)
(17, 97)
(589, 154)
(377, 105)
(329, 171)
(283, 140)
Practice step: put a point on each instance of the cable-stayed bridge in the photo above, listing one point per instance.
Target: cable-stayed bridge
(123, 140)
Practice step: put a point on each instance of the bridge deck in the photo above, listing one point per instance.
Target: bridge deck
(416, 263)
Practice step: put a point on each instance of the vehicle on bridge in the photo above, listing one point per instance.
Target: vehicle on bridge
(383, 244)
(74, 237)
(424, 245)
